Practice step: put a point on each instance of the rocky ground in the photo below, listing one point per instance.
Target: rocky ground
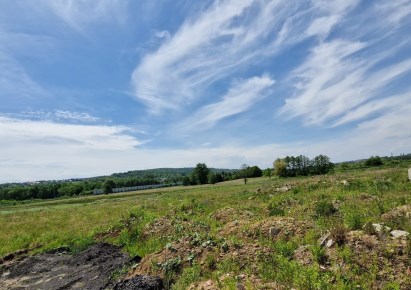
(95, 268)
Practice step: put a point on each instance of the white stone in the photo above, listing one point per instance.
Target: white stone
(409, 173)
(399, 234)
(330, 243)
(379, 228)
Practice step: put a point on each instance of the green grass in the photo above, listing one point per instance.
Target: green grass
(324, 201)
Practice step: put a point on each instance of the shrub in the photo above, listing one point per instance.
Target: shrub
(275, 209)
(339, 234)
(374, 161)
(355, 221)
(319, 254)
(324, 208)
(369, 229)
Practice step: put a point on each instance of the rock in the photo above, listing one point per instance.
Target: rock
(396, 234)
(303, 255)
(89, 269)
(345, 182)
(329, 243)
(323, 240)
(273, 232)
(409, 173)
(403, 211)
(140, 282)
(380, 228)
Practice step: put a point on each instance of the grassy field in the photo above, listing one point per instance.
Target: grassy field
(263, 235)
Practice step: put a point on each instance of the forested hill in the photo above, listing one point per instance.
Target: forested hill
(166, 172)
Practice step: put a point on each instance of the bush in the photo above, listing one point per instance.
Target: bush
(339, 234)
(355, 221)
(319, 254)
(374, 161)
(275, 209)
(324, 208)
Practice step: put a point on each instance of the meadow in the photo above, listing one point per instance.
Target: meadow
(265, 234)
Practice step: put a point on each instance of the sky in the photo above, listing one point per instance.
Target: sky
(90, 88)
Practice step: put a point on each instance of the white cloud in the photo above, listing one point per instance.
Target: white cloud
(52, 116)
(18, 131)
(229, 35)
(75, 116)
(242, 95)
(64, 151)
(335, 80)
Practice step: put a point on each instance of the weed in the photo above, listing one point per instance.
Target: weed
(355, 221)
(369, 229)
(319, 254)
(324, 208)
(275, 209)
(339, 234)
(188, 276)
(381, 207)
(211, 262)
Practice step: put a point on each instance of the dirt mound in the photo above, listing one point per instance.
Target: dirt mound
(206, 252)
(398, 212)
(170, 225)
(230, 214)
(90, 269)
(243, 281)
(390, 256)
(280, 228)
(140, 283)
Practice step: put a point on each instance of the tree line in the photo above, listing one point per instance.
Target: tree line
(47, 190)
(203, 175)
(291, 166)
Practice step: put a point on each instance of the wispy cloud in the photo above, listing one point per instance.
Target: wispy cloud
(335, 80)
(53, 116)
(242, 95)
(78, 13)
(15, 83)
(84, 136)
(226, 36)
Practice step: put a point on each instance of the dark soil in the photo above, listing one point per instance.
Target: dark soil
(95, 268)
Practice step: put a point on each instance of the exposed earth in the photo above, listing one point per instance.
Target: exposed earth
(95, 268)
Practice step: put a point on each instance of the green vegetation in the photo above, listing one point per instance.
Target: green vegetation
(302, 166)
(261, 234)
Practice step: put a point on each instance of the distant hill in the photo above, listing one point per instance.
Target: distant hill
(165, 172)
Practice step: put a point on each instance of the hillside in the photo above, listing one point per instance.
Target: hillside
(339, 231)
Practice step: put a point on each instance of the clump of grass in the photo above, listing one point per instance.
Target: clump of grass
(380, 207)
(339, 234)
(369, 229)
(355, 221)
(319, 254)
(276, 209)
(324, 208)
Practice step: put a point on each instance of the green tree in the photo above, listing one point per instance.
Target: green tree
(212, 178)
(108, 186)
(321, 164)
(374, 161)
(280, 167)
(255, 171)
(244, 172)
(200, 173)
(186, 180)
(268, 172)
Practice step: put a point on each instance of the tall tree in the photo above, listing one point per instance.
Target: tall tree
(200, 173)
(244, 172)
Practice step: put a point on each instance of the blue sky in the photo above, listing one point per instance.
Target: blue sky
(95, 87)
